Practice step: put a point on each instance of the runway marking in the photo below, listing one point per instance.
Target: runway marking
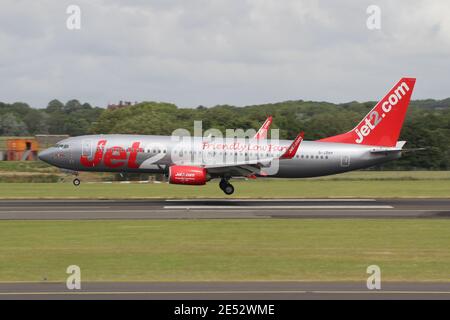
(225, 292)
(272, 200)
(277, 207)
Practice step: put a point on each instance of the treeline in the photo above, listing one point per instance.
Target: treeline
(427, 123)
(72, 118)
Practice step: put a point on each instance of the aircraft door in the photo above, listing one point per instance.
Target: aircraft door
(345, 161)
(86, 148)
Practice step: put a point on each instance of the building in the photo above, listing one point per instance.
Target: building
(122, 104)
(21, 149)
(26, 148)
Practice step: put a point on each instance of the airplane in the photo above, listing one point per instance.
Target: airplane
(197, 160)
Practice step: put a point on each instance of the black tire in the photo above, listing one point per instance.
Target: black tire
(76, 182)
(223, 184)
(228, 189)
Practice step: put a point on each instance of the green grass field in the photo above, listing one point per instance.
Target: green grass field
(31, 179)
(310, 250)
(244, 189)
(39, 167)
(26, 166)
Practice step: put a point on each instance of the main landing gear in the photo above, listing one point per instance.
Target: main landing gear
(226, 187)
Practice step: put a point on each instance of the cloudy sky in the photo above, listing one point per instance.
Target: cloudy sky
(208, 52)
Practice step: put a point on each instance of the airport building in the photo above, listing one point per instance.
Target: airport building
(26, 148)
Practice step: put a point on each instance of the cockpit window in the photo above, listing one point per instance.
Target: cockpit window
(61, 146)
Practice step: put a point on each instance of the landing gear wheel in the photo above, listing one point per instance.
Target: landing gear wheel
(228, 189)
(76, 182)
(223, 183)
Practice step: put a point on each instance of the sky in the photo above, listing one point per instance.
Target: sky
(209, 52)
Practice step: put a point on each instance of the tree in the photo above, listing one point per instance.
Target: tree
(11, 126)
(72, 106)
(36, 121)
(54, 106)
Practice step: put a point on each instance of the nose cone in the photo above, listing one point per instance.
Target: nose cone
(45, 155)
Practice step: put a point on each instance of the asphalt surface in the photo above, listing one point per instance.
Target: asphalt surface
(224, 290)
(222, 209)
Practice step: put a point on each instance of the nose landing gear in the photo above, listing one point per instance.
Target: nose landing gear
(226, 187)
(76, 182)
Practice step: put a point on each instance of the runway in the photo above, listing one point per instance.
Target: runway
(224, 290)
(223, 209)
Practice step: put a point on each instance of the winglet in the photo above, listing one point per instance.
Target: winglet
(262, 132)
(292, 150)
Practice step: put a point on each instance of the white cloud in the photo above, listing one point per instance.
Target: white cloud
(220, 51)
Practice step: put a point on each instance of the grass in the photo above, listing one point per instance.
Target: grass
(29, 179)
(225, 250)
(26, 166)
(17, 167)
(244, 189)
(389, 175)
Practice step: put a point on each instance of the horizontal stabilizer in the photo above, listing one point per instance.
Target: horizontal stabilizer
(398, 147)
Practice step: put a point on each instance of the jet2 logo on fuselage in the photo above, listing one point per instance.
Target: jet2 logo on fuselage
(114, 157)
(374, 119)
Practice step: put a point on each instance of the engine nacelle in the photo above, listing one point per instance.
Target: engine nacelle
(187, 175)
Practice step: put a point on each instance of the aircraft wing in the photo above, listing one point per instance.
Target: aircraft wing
(247, 168)
(254, 167)
(262, 132)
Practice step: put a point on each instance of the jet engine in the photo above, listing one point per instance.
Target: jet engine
(189, 175)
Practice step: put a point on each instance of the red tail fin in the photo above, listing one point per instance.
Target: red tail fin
(382, 125)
